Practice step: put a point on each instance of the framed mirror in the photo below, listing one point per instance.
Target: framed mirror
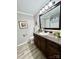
(52, 18)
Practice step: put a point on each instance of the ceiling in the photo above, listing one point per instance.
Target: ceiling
(30, 7)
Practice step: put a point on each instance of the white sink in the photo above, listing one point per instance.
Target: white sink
(43, 33)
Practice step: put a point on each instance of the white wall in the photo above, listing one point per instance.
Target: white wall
(36, 19)
(27, 32)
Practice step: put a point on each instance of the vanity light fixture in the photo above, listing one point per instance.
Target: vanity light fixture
(50, 4)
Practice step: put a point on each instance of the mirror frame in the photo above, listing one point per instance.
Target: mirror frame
(59, 3)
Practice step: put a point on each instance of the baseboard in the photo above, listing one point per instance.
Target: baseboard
(23, 43)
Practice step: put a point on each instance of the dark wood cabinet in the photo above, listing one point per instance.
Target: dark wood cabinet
(53, 50)
(40, 43)
(49, 48)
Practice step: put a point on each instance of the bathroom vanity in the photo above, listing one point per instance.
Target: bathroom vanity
(48, 45)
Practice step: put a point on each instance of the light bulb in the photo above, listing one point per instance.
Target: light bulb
(40, 12)
(50, 4)
(43, 10)
(46, 7)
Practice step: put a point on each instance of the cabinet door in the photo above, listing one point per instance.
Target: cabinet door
(37, 41)
(53, 51)
(40, 42)
(43, 45)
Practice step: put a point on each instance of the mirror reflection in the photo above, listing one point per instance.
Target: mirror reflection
(51, 18)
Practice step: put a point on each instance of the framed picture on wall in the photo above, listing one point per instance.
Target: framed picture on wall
(23, 24)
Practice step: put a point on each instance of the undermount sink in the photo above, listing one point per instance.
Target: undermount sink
(43, 33)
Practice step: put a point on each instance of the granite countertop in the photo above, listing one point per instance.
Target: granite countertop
(51, 38)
